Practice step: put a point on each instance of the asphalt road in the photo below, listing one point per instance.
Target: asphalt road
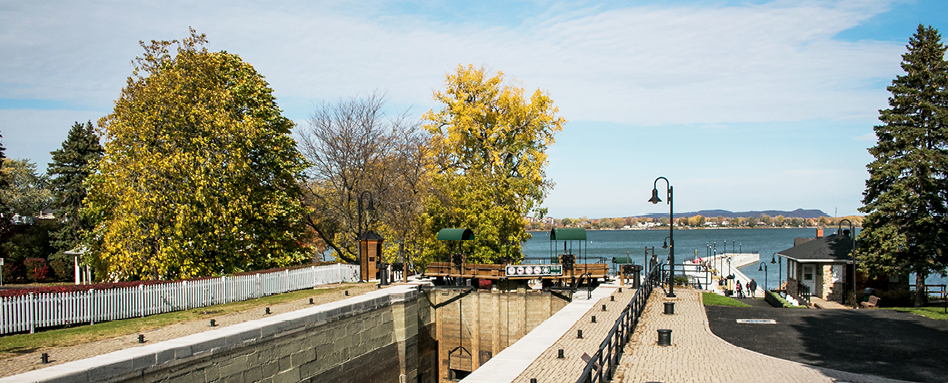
(877, 342)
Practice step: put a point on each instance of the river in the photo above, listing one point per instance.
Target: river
(606, 244)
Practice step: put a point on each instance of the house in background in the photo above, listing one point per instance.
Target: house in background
(823, 267)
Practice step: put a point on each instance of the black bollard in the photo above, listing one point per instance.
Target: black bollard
(213, 323)
(141, 338)
(579, 334)
(347, 293)
(44, 358)
(310, 300)
(559, 354)
(664, 337)
(533, 380)
(612, 298)
(603, 307)
(594, 319)
(669, 308)
(268, 311)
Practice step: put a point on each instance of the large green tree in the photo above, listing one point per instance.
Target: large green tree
(490, 142)
(71, 165)
(906, 229)
(26, 192)
(200, 172)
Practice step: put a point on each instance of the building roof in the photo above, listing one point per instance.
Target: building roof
(834, 248)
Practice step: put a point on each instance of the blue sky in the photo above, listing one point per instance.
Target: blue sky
(743, 105)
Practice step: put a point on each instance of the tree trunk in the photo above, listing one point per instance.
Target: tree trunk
(921, 296)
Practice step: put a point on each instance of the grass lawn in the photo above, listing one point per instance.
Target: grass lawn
(11, 345)
(930, 312)
(712, 299)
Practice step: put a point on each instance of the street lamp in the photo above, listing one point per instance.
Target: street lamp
(671, 230)
(852, 233)
(371, 207)
(764, 265)
(773, 260)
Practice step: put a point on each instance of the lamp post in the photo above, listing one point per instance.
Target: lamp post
(371, 207)
(764, 265)
(852, 233)
(671, 230)
(773, 260)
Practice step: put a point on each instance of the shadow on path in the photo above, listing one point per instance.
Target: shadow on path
(884, 343)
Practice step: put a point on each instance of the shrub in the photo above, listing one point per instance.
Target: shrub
(63, 267)
(12, 272)
(36, 269)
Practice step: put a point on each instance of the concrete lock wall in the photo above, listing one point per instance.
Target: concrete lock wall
(399, 334)
(370, 338)
(471, 330)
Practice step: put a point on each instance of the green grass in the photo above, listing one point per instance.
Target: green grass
(12, 345)
(712, 299)
(930, 312)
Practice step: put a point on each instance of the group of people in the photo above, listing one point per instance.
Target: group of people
(751, 288)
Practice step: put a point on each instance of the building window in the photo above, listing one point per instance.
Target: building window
(807, 273)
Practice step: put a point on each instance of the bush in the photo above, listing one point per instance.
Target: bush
(775, 300)
(12, 272)
(63, 267)
(36, 269)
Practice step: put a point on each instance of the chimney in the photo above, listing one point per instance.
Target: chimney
(819, 232)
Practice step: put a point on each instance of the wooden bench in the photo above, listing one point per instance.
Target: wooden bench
(873, 302)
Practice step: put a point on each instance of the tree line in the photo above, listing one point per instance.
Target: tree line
(697, 221)
(196, 172)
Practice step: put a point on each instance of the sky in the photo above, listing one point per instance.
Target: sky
(741, 105)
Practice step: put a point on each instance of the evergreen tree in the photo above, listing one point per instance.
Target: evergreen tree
(71, 165)
(3, 178)
(907, 224)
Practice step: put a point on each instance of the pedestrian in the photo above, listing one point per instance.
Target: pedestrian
(752, 288)
(740, 292)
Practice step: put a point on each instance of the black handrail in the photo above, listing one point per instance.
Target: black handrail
(611, 349)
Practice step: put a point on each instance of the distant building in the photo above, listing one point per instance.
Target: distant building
(823, 267)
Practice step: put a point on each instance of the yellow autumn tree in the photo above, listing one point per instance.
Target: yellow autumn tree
(490, 140)
(200, 172)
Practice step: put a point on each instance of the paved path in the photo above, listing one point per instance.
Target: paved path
(697, 355)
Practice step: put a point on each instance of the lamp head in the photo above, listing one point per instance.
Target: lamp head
(773, 258)
(654, 199)
(665, 244)
(760, 267)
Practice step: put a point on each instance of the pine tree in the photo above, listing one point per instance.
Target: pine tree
(3, 179)
(71, 165)
(907, 224)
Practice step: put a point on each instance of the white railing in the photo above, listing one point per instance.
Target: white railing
(37, 310)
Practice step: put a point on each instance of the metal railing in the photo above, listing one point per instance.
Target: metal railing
(602, 365)
(37, 310)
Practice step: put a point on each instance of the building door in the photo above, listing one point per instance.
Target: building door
(809, 279)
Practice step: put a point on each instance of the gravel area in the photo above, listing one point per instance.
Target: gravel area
(31, 360)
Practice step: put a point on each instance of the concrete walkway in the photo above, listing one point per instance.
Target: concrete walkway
(697, 355)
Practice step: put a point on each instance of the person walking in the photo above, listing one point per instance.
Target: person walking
(740, 292)
(752, 288)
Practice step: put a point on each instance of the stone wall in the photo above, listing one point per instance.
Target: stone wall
(483, 323)
(399, 334)
(370, 338)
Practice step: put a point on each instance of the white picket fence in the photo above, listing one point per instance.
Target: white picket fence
(37, 310)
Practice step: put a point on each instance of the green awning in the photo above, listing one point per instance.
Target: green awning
(574, 234)
(455, 235)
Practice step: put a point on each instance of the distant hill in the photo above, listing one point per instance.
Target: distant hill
(799, 213)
